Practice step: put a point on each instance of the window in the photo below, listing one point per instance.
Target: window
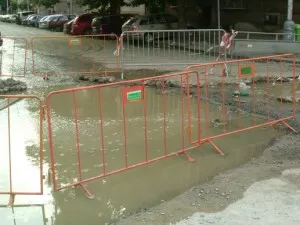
(85, 18)
(131, 21)
(271, 19)
(63, 18)
(160, 19)
(144, 21)
(171, 18)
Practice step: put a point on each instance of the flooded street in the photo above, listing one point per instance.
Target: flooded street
(119, 194)
(99, 137)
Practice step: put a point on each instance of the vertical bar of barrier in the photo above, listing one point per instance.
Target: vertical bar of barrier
(281, 86)
(125, 133)
(25, 58)
(41, 146)
(145, 123)
(253, 96)
(51, 145)
(268, 91)
(102, 130)
(105, 51)
(77, 135)
(13, 59)
(198, 108)
(223, 110)
(239, 101)
(207, 117)
(294, 85)
(9, 148)
(164, 103)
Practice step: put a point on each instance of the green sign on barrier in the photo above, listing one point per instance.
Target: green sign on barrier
(134, 95)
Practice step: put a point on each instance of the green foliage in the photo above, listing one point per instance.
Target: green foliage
(22, 6)
(101, 5)
(48, 3)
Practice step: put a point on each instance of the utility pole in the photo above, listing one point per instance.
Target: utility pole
(7, 7)
(289, 25)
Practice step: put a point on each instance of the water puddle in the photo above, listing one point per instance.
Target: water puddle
(119, 194)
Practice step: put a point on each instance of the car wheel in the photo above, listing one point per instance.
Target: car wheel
(148, 38)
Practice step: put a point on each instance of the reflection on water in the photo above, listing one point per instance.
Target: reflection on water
(123, 193)
(23, 215)
(13, 57)
(19, 131)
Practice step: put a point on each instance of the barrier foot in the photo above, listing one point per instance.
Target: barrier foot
(86, 191)
(287, 125)
(11, 200)
(215, 147)
(189, 158)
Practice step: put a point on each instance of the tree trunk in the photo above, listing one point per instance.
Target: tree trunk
(115, 8)
(181, 13)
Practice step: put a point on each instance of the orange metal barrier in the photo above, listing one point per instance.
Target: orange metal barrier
(14, 144)
(13, 57)
(116, 127)
(74, 55)
(233, 108)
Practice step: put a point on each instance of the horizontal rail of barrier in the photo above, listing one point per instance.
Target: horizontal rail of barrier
(140, 116)
(13, 59)
(242, 102)
(168, 49)
(264, 36)
(11, 136)
(74, 55)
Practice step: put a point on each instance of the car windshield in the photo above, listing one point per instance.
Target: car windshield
(49, 18)
(44, 18)
(131, 21)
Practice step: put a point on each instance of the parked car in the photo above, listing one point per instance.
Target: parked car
(44, 23)
(1, 40)
(83, 24)
(5, 18)
(57, 24)
(25, 21)
(32, 21)
(160, 21)
(110, 24)
(38, 19)
(68, 26)
(12, 18)
(43, 18)
(23, 15)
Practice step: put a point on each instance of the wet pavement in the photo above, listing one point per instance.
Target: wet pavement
(117, 195)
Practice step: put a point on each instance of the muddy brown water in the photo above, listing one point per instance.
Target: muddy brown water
(123, 193)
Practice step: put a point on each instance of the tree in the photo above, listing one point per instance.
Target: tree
(113, 6)
(48, 3)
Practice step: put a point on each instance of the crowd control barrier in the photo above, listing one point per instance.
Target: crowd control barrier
(15, 177)
(74, 55)
(13, 58)
(243, 106)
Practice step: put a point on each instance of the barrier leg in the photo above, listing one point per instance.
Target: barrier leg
(285, 124)
(87, 192)
(189, 158)
(214, 146)
(11, 200)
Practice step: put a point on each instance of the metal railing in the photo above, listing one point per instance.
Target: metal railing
(168, 49)
(263, 36)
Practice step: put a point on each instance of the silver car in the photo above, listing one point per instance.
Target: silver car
(141, 26)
